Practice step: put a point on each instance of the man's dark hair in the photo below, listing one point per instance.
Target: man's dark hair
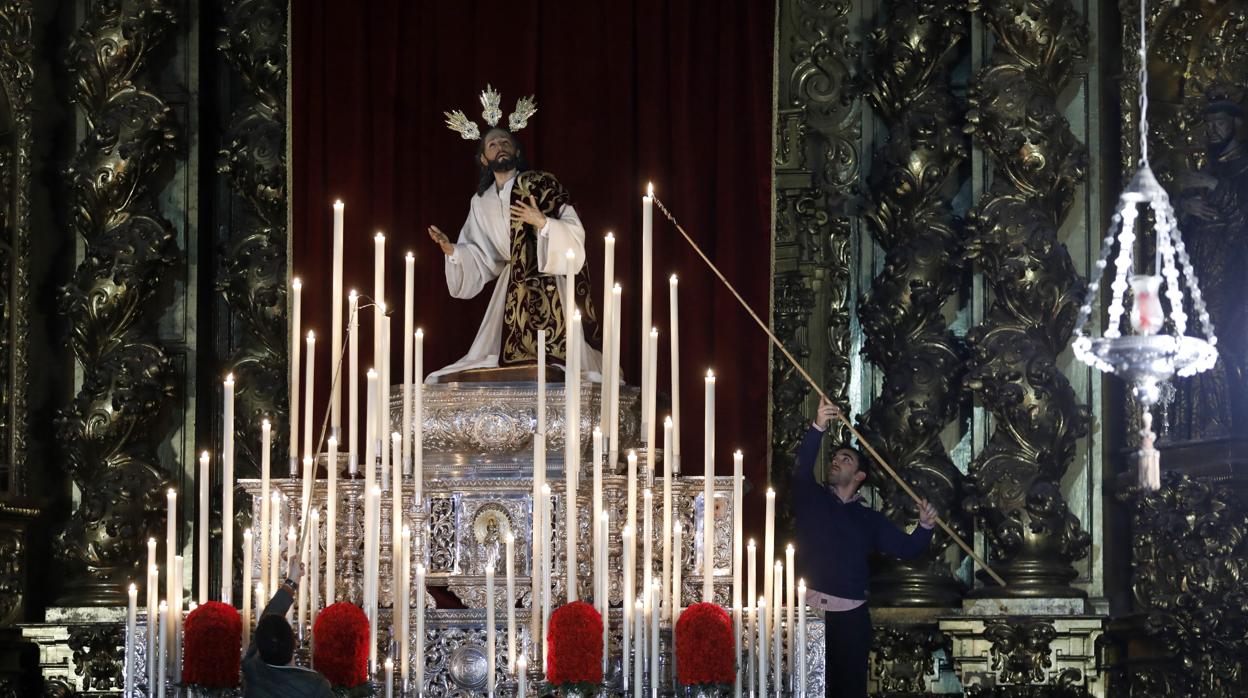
(275, 640)
(486, 179)
(864, 463)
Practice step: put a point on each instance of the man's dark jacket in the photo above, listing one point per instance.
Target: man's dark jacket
(262, 680)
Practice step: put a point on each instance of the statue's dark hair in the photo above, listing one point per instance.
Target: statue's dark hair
(486, 178)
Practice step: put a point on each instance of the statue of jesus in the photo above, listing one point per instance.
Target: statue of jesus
(519, 229)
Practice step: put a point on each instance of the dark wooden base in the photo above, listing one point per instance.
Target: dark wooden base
(526, 373)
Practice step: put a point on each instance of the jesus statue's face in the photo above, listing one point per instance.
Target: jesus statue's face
(498, 153)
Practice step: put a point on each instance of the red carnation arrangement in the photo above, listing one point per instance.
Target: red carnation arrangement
(340, 640)
(575, 643)
(211, 646)
(705, 646)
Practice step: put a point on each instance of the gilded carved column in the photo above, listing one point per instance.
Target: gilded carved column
(1033, 292)
(253, 270)
(911, 216)
(815, 168)
(127, 249)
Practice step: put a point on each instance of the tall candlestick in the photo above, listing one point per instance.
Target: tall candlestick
(540, 513)
(161, 678)
(418, 438)
(571, 437)
(248, 541)
(314, 578)
(631, 517)
(405, 610)
(790, 597)
(331, 525)
(389, 677)
(769, 553)
(748, 669)
(708, 495)
(736, 638)
(420, 628)
(370, 425)
(511, 601)
(613, 438)
(626, 537)
(647, 544)
(667, 507)
(651, 398)
(227, 493)
(308, 409)
(608, 278)
(296, 291)
(738, 480)
(153, 600)
(602, 595)
(374, 500)
(275, 539)
(647, 274)
(335, 330)
(751, 564)
(379, 312)
(674, 309)
(678, 540)
(171, 550)
(132, 612)
(175, 627)
(292, 550)
(600, 548)
(654, 593)
(266, 445)
(801, 638)
(762, 643)
(201, 553)
(353, 375)
(547, 601)
(489, 627)
(396, 499)
(409, 303)
(305, 540)
(776, 638)
(383, 402)
(640, 657)
(522, 670)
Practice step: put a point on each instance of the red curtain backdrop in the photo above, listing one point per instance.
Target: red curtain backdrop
(678, 93)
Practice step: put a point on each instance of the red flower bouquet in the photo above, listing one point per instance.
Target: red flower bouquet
(575, 643)
(340, 640)
(705, 646)
(211, 646)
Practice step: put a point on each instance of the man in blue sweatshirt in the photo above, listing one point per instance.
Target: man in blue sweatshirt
(836, 534)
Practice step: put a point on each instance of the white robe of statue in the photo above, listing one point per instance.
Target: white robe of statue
(483, 254)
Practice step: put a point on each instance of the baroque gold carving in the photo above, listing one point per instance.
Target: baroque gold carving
(128, 248)
(912, 219)
(1033, 293)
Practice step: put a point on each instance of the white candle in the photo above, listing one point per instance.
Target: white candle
(572, 448)
(383, 403)
(175, 628)
(639, 622)
(266, 445)
(132, 612)
(353, 375)
(331, 526)
(738, 488)
(790, 617)
(776, 639)
(522, 670)
(511, 601)
(314, 576)
(762, 645)
(608, 278)
(420, 628)
(749, 658)
(489, 627)
(674, 308)
(335, 334)
(678, 539)
(613, 437)
(751, 564)
(275, 539)
(651, 398)
(418, 445)
(153, 596)
(201, 554)
(647, 274)
(370, 452)
(374, 500)
(227, 494)
(409, 303)
(540, 513)
(296, 288)
(379, 312)
(632, 500)
(307, 423)
(165, 653)
(547, 601)
(171, 548)
(647, 544)
(769, 555)
(801, 639)
(736, 638)
(248, 541)
(600, 548)
(655, 592)
(389, 677)
(708, 495)
(396, 500)
(405, 606)
(626, 537)
(667, 507)
(602, 596)
(304, 519)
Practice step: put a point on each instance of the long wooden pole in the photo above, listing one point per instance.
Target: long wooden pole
(857, 435)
